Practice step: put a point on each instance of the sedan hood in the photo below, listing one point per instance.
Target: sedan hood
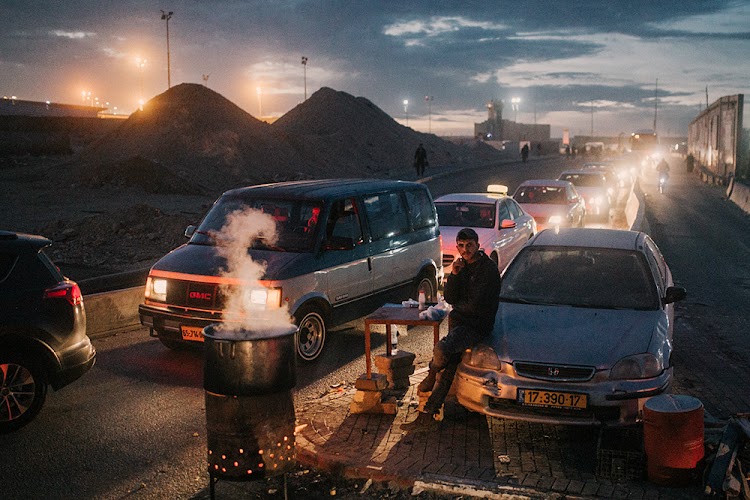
(572, 335)
(202, 260)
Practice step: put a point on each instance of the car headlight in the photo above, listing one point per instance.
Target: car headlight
(263, 298)
(482, 356)
(156, 289)
(636, 367)
(555, 219)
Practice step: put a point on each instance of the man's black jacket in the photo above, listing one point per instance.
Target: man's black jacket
(473, 293)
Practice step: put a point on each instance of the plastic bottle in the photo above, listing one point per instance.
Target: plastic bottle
(394, 339)
(422, 300)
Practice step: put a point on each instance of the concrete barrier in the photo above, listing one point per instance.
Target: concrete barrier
(740, 196)
(111, 311)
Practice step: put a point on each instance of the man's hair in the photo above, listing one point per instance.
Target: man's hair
(467, 233)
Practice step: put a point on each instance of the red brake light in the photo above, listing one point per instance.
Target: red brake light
(66, 290)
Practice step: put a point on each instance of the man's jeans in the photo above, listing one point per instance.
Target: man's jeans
(445, 359)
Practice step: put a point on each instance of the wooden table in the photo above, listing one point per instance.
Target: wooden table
(395, 315)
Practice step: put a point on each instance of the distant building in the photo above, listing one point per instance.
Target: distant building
(497, 129)
(16, 107)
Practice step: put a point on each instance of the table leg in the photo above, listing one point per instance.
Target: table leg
(367, 351)
(436, 334)
(388, 339)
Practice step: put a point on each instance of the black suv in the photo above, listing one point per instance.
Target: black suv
(43, 337)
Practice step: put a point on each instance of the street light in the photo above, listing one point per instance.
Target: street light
(304, 66)
(260, 104)
(166, 16)
(429, 99)
(515, 103)
(406, 110)
(141, 63)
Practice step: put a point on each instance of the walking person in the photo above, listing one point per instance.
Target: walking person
(472, 289)
(525, 152)
(420, 160)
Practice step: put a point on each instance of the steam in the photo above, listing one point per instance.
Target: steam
(243, 274)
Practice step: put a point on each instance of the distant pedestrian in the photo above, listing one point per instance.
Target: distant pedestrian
(525, 152)
(567, 151)
(420, 160)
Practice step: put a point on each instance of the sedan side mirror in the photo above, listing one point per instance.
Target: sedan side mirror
(189, 231)
(674, 294)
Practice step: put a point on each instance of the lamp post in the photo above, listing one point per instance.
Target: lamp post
(304, 67)
(428, 99)
(260, 104)
(515, 103)
(141, 63)
(406, 110)
(166, 16)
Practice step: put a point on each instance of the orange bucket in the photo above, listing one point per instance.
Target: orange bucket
(673, 438)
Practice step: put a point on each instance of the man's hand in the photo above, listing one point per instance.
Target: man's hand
(458, 265)
(507, 224)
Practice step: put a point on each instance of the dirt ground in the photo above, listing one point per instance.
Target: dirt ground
(95, 230)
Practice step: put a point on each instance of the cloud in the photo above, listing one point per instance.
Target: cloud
(73, 35)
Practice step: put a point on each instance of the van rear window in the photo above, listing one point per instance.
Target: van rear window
(387, 215)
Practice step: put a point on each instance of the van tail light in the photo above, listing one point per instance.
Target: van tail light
(67, 290)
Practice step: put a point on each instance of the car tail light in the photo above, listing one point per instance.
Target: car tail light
(67, 290)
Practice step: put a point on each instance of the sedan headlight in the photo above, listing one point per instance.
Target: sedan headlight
(156, 289)
(482, 356)
(636, 367)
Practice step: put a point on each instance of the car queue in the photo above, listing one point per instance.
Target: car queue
(583, 335)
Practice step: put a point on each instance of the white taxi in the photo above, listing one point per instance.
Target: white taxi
(485, 213)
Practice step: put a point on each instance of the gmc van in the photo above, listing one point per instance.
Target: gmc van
(343, 249)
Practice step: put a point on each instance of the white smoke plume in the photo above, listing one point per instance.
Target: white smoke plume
(242, 229)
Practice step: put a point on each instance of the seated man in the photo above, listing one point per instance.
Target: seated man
(472, 289)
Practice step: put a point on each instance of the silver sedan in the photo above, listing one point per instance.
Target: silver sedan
(583, 334)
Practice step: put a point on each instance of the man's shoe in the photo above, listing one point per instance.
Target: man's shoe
(425, 422)
(428, 383)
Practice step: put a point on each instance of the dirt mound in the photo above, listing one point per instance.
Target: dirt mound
(345, 135)
(149, 175)
(198, 136)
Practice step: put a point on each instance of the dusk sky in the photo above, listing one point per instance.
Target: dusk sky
(567, 61)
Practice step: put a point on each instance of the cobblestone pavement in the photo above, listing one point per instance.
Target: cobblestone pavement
(476, 454)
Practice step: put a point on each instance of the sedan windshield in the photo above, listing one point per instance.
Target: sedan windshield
(296, 222)
(466, 214)
(585, 180)
(580, 277)
(553, 195)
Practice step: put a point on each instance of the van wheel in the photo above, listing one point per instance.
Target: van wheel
(23, 390)
(311, 333)
(426, 283)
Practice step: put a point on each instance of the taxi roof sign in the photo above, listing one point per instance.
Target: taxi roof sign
(497, 188)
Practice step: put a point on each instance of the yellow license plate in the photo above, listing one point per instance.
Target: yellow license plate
(551, 399)
(193, 333)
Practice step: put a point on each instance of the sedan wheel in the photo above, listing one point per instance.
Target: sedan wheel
(311, 335)
(22, 392)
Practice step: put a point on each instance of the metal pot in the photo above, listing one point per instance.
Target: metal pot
(242, 362)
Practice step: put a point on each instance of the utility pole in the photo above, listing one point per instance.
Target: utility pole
(304, 65)
(429, 99)
(166, 16)
(656, 102)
